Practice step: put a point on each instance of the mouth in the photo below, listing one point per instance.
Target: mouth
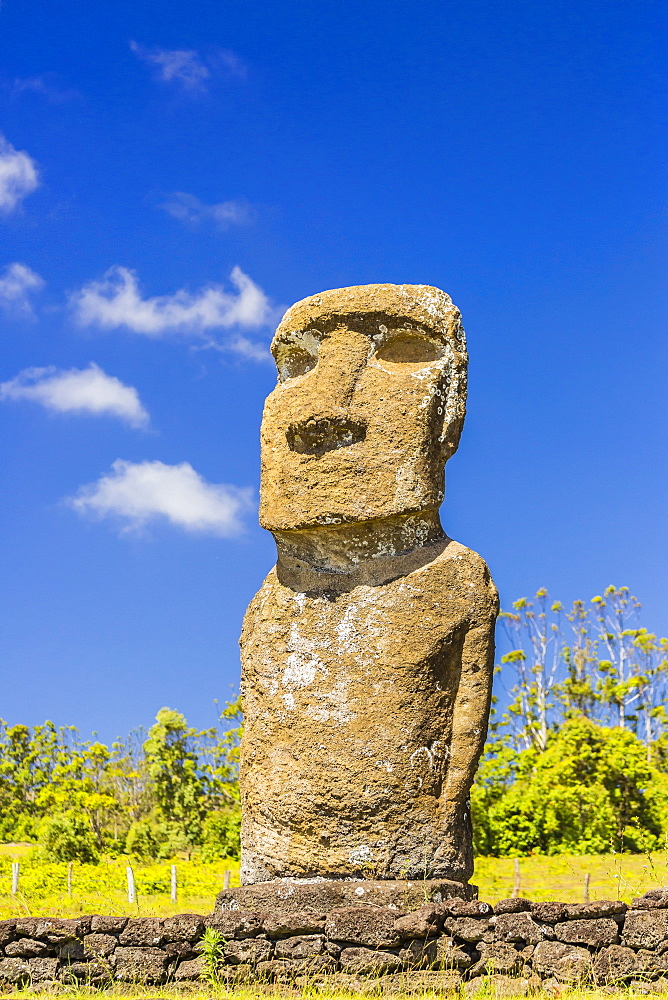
(316, 437)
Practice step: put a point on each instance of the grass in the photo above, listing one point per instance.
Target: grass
(198, 992)
(102, 888)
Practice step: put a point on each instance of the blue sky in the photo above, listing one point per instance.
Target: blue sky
(172, 176)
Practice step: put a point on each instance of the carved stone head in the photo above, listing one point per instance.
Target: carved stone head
(369, 406)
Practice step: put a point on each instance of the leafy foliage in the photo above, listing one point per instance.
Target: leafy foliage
(152, 795)
(577, 762)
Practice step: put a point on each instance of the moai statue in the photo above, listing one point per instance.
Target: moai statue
(367, 654)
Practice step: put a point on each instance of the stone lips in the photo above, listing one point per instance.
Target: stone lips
(366, 430)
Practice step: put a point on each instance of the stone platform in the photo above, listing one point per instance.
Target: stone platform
(292, 895)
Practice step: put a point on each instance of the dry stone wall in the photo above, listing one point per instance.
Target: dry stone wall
(537, 945)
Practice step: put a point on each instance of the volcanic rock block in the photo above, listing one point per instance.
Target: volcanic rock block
(367, 655)
(565, 962)
(645, 928)
(317, 896)
(140, 965)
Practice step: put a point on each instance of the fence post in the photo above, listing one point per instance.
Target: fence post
(586, 889)
(226, 879)
(517, 882)
(70, 866)
(16, 868)
(132, 891)
(173, 883)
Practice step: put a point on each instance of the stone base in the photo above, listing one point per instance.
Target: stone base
(287, 895)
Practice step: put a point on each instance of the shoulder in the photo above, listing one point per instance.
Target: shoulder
(465, 574)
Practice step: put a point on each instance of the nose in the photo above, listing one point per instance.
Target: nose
(322, 422)
(329, 390)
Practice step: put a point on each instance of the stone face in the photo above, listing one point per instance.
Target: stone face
(190, 969)
(42, 969)
(367, 654)
(182, 927)
(513, 905)
(549, 913)
(615, 963)
(318, 896)
(108, 925)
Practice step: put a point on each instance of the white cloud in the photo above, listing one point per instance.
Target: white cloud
(47, 86)
(16, 283)
(193, 71)
(87, 390)
(182, 66)
(189, 209)
(116, 301)
(137, 493)
(18, 176)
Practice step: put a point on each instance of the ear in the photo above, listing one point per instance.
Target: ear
(454, 410)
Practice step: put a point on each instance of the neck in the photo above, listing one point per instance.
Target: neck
(341, 556)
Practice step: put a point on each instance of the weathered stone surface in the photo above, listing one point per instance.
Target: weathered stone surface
(107, 925)
(654, 899)
(419, 953)
(466, 928)
(519, 927)
(549, 913)
(364, 961)
(42, 969)
(94, 972)
(140, 965)
(320, 896)
(426, 921)
(367, 654)
(236, 923)
(596, 933)
(565, 962)
(300, 946)
(516, 904)
(7, 931)
(499, 957)
(468, 908)
(70, 950)
(182, 927)
(288, 924)
(190, 969)
(369, 926)
(181, 949)
(597, 908)
(645, 928)
(14, 970)
(25, 948)
(248, 952)
(450, 955)
(277, 969)
(52, 929)
(498, 986)
(99, 944)
(142, 932)
(614, 963)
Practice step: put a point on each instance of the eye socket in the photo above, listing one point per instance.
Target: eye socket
(295, 361)
(408, 348)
